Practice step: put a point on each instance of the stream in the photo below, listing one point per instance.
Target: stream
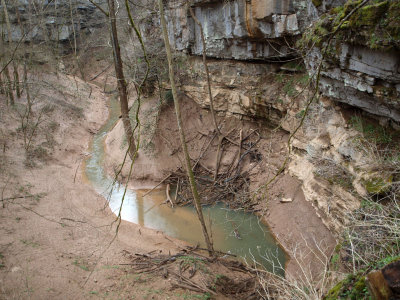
(233, 231)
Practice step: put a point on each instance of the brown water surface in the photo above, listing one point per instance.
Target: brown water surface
(233, 231)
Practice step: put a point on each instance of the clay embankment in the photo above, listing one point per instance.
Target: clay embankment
(51, 242)
(295, 224)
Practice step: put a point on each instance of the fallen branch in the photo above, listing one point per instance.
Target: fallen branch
(72, 220)
(189, 282)
(186, 287)
(18, 197)
(204, 151)
(218, 158)
(168, 197)
(177, 190)
(161, 182)
(93, 78)
(36, 213)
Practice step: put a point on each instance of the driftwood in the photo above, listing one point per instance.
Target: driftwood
(168, 197)
(229, 185)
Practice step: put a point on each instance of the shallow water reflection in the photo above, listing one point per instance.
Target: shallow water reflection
(233, 231)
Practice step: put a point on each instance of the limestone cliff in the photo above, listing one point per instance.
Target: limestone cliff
(256, 37)
(56, 20)
(238, 29)
(362, 61)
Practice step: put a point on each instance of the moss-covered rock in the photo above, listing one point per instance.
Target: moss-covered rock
(352, 287)
(376, 25)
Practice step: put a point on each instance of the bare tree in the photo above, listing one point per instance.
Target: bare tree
(2, 90)
(203, 40)
(192, 181)
(15, 67)
(122, 85)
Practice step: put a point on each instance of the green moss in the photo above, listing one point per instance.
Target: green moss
(314, 35)
(376, 25)
(385, 261)
(334, 292)
(369, 15)
(317, 3)
(352, 287)
(378, 185)
(359, 290)
(338, 247)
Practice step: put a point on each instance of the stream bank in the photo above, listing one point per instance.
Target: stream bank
(55, 243)
(237, 232)
(294, 224)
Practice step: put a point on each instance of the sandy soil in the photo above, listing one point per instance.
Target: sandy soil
(295, 224)
(56, 231)
(56, 245)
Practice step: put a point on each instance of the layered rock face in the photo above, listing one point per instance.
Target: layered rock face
(361, 77)
(56, 20)
(328, 159)
(239, 29)
(325, 148)
(354, 73)
(361, 64)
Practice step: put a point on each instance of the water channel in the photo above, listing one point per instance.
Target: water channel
(233, 231)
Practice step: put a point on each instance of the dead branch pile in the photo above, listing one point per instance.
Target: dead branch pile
(190, 270)
(228, 184)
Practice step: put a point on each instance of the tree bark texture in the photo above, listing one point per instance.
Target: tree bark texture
(192, 181)
(122, 85)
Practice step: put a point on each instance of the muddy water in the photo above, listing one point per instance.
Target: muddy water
(235, 232)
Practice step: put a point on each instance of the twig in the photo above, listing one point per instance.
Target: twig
(216, 251)
(240, 149)
(177, 190)
(72, 220)
(145, 194)
(76, 170)
(36, 213)
(105, 69)
(204, 151)
(218, 158)
(100, 8)
(13, 53)
(168, 197)
(169, 144)
(193, 284)
(18, 197)
(187, 287)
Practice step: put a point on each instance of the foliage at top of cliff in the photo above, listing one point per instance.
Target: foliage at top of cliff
(375, 25)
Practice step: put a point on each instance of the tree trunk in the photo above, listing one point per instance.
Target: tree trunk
(9, 89)
(7, 83)
(122, 86)
(182, 134)
(15, 67)
(203, 40)
(2, 90)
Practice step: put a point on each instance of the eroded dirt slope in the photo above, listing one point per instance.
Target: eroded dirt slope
(55, 233)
